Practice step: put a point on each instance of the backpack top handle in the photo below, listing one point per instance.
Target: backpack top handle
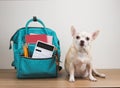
(34, 19)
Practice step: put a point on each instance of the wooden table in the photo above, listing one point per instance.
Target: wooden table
(8, 80)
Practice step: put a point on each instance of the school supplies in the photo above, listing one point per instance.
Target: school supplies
(32, 39)
(43, 50)
(25, 50)
(49, 39)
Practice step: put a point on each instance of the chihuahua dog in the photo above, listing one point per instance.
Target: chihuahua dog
(78, 59)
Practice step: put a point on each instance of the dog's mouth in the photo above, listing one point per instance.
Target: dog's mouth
(81, 44)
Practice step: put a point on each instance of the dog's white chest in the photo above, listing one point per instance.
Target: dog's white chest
(80, 67)
(82, 56)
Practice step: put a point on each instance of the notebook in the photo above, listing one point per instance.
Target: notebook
(32, 38)
(49, 39)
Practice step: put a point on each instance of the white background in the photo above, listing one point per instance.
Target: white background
(85, 15)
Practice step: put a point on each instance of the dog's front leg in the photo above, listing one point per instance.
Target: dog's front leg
(71, 71)
(91, 77)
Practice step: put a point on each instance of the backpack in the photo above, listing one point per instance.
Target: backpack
(28, 67)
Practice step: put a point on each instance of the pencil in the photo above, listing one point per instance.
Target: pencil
(25, 50)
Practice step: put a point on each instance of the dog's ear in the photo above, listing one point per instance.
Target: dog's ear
(73, 30)
(95, 34)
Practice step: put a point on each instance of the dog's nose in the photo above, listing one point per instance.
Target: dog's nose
(82, 43)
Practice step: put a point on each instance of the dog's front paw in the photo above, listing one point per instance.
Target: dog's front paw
(71, 79)
(93, 79)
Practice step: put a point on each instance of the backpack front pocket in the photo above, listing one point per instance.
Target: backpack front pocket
(34, 68)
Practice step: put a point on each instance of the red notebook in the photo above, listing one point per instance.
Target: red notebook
(33, 38)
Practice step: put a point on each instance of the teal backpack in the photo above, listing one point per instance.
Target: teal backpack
(28, 67)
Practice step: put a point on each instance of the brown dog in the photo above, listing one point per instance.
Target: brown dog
(78, 59)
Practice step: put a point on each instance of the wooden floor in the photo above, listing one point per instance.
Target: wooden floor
(8, 80)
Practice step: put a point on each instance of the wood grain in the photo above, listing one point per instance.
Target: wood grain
(8, 80)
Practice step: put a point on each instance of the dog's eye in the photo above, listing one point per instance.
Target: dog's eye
(77, 37)
(87, 38)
